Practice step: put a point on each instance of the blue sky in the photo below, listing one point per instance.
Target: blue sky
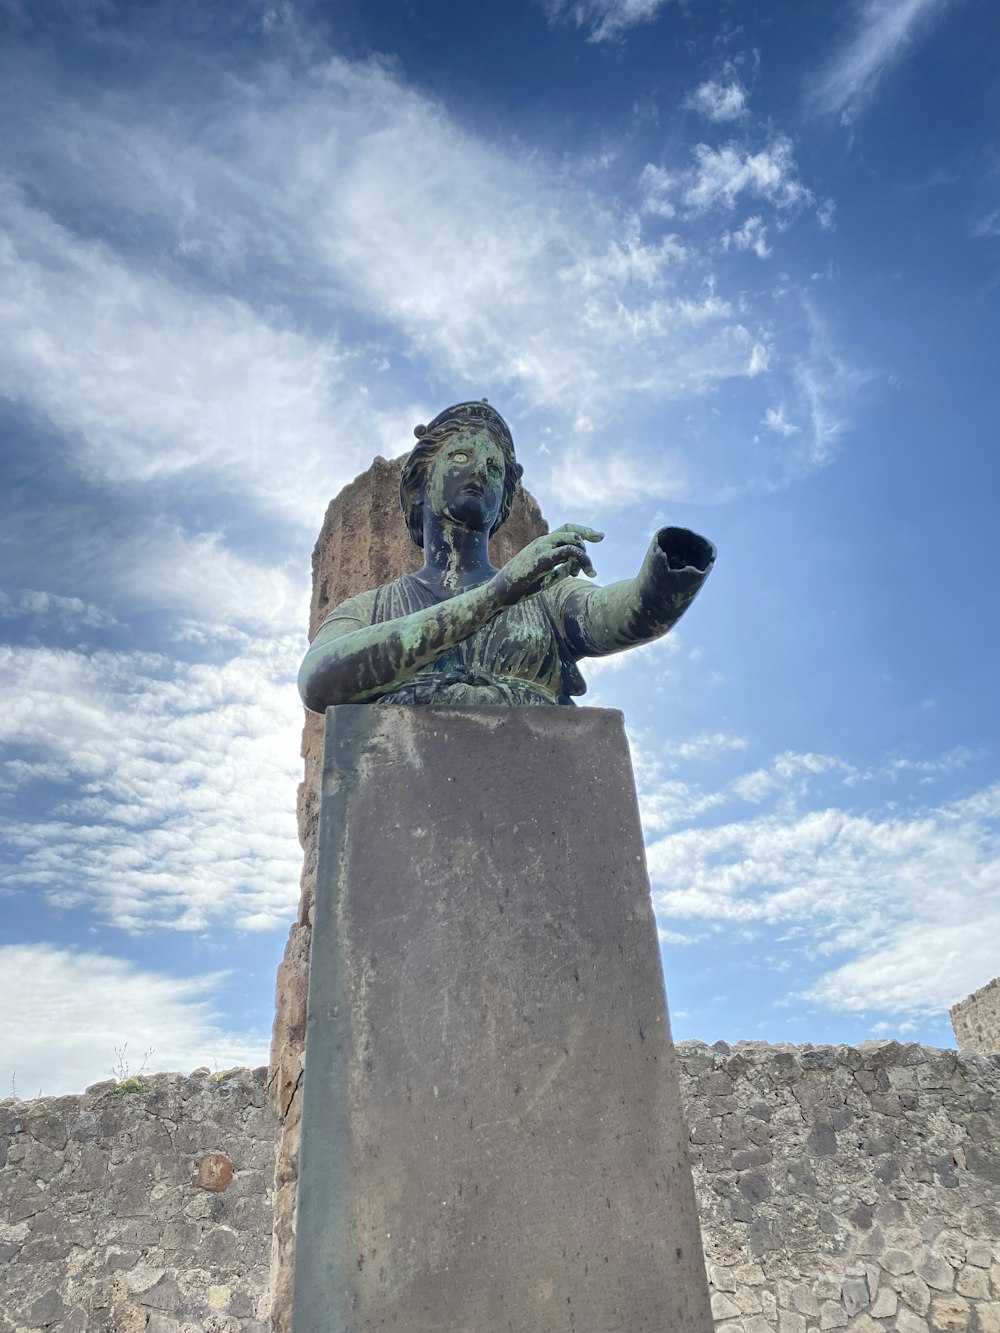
(728, 266)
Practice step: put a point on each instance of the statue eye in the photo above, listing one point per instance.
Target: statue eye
(494, 467)
(460, 457)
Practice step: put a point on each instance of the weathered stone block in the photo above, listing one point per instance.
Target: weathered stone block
(914, 1291)
(949, 1314)
(832, 1315)
(803, 1299)
(898, 1261)
(724, 1308)
(492, 1130)
(886, 1304)
(974, 1283)
(936, 1271)
(855, 1295)
(908, 1322)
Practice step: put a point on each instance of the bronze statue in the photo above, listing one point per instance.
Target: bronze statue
(461, 632)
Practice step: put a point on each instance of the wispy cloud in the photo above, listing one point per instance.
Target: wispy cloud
(463, 260)
(604, 20)
(776, 422)
(69, 613)
(166, 790)
(884, 31)
(149, 379)
(912, 899)
(722, 175)
(751, 236)
(719, 100)
(64, 1015)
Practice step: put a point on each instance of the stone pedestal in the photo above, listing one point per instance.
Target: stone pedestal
(492, 1136)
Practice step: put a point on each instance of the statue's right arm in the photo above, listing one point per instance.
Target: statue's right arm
(349, 662)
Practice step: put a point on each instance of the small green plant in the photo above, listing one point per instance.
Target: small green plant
(126, 1081)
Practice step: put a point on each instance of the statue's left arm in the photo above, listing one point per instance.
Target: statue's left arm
(604, 620)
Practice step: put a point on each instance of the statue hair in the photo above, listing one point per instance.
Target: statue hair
(430, 439)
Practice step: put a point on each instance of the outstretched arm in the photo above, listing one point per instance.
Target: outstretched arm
(350, 662)
(606, 620)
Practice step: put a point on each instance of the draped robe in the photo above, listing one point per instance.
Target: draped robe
(528, 653)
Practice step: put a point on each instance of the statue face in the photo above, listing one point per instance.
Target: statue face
(465, 482)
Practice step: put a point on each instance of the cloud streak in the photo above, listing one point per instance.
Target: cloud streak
(604, 20)
(885, 30)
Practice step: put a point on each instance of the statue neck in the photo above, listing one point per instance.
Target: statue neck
(455, 556)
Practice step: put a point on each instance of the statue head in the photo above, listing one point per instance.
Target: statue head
(446, 425)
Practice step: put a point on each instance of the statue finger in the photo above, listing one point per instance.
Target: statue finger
(553, 576)
(582, 531)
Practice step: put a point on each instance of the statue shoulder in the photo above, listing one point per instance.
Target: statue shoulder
(353, 613)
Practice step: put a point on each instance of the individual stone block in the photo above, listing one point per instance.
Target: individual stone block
(908, 1322)
(949, 1314)
(886, 1304)
(935, 1270)
(724, 1308)
(974, 1283)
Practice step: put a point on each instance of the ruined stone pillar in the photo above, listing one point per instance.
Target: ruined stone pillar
(363, 543)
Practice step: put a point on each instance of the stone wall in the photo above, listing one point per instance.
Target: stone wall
(838, 1188)
(976, 1019)
(847, 1188)
(123, 1211)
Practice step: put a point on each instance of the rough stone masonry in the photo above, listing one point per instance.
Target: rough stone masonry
(976, 1019)
(838, 1188)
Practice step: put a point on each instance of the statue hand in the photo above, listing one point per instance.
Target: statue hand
(545, 561)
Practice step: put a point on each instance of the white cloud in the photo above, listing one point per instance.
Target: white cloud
(178, 784)
(719, 101)
(706, 746)
(784, 769)
(751, 236)
(149, 379)
(665, 800)
(196, 575)
(776, 421)
(884, 31)
(483, 264)
(722, 175)
(68, 613)
(828, 387)
(604, 19)
(913, 899)
(718, 178)
(63, 1016)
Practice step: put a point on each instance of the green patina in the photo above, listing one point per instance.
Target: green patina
(462, 632)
